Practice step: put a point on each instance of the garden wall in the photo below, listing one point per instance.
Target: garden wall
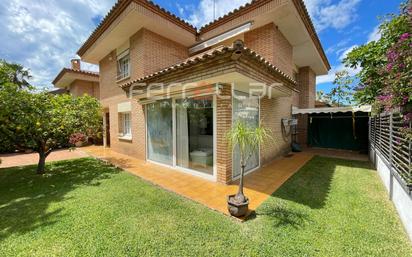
(391, 155)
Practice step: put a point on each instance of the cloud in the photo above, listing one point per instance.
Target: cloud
(326, 14)
(44, 35)
(375, 35)
(330, 77)
(205, 11)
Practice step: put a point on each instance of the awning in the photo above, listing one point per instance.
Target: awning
(361, 108)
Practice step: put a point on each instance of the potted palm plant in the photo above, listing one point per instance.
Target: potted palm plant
(247, 139)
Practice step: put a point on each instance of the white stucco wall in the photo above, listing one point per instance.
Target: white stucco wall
(399, 196)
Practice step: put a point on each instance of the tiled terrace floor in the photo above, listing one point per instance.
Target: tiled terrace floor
(259, 185)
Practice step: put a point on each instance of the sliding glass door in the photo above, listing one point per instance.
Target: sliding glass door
(194, 134)
(245, 109)
(159, 132)
(190, 124)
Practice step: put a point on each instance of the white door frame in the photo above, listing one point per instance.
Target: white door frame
(174, 166)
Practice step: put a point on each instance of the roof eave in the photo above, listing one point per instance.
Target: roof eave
(215, 55)
(64, 71)
(118, 8)
(300, 7)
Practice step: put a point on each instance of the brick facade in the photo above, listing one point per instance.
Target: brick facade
(271, 113)
(270, 43)
(307, 95)
(81, 87)
(223, 122)
(150, 52)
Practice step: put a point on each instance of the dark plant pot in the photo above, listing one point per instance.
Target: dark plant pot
(237, 209)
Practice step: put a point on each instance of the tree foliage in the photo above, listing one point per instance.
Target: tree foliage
(322, 97)
(247, 139)
(44, 122)
(385, 78)
(342, 92)
(13, 73)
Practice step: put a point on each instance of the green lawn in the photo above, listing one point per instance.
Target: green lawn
(84, 208)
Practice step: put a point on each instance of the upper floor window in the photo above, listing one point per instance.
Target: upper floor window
(123, 65)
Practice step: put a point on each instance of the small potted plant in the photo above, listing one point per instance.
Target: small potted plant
(247, 139)
(77, 139)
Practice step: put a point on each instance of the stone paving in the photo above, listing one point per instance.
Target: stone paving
(22, 159)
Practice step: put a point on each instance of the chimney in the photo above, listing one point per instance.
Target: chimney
(75, 64)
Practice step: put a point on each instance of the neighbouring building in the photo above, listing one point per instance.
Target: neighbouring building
(76, 81)
(170, 91)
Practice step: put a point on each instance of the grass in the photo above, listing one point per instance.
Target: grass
(85, 208)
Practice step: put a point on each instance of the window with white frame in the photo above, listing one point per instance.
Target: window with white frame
(123, 65)
(125, 126)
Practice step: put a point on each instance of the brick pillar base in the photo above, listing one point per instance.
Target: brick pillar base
(223, 125)
(307, 95)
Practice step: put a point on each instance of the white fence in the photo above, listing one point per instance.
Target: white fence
(390, 152)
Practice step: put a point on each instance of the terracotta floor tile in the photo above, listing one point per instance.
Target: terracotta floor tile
(259, 185)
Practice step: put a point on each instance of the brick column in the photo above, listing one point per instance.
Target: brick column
(223, 125)
(307, 95)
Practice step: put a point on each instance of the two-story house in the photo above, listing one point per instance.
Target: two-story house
(171, 92)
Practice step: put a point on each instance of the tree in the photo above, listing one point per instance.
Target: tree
(247, 139)
(386, 67)
(44, 122)
(342, 92)
(14, 73)
(375, 58)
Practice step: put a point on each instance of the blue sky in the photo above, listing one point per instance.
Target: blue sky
(44, 35)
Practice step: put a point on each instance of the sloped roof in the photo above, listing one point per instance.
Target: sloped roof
(300, 6)
(118, 8)
(214, 54)
(120, 5)
(93, 75)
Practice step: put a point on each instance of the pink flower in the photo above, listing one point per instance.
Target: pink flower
(77, 137)
(404, 37)
(408, 116)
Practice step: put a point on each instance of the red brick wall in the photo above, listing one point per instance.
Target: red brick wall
(81, 87)
(307, 96)
(270, 43)
(307, 87)
(149, 52)
(271, 113)
(224, 122)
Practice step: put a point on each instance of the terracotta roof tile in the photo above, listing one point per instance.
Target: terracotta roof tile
(122, 4)
(83, 72)
(117, 8)
(299, 4)
(208, 55)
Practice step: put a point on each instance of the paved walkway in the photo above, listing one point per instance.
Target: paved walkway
(259, 185)
(22, 159)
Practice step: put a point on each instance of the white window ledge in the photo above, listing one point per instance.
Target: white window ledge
(121, 79)
(125, 137)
